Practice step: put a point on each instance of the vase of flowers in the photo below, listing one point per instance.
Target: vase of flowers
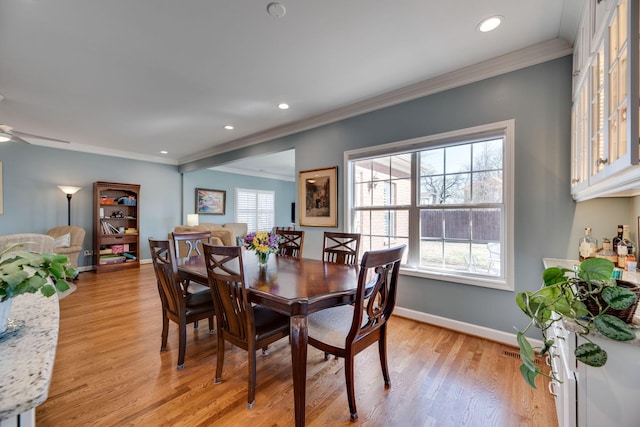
(263, 244)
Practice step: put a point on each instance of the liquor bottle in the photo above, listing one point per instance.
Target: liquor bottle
(588, 245)
(607, 252)
(626, 248)
(616, 240)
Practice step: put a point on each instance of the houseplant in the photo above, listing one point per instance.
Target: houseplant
(25, 272)
(564, 297)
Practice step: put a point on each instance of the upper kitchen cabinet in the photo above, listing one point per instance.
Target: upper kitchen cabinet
(605, 102)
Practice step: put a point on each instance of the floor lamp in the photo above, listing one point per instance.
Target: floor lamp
(69, 191)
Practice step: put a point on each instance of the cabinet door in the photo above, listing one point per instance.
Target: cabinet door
(580, 137)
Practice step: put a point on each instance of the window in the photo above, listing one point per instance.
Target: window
(256, 208)
(448, 197)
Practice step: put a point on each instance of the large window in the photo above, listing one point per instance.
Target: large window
(256, 208)
(447, 197)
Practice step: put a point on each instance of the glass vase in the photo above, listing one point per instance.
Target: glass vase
(263, 258)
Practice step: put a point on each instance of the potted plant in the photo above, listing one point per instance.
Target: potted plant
(25, 272)
(585, 298)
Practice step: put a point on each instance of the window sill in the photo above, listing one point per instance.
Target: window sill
(497, 283)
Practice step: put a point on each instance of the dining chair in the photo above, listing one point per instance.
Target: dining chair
(346, 330)
(247, 326)
(291, 242)
(341, 248)
(187, 245)
(177, 305)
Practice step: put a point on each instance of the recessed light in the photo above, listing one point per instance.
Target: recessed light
(164, 152)
(490, 23)
(283, 106)
(229, 127)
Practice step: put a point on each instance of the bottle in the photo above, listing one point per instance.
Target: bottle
(588, 245)
(607, 252)
(626, 248)
(616, 240)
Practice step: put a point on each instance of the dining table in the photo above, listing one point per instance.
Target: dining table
(296, 288)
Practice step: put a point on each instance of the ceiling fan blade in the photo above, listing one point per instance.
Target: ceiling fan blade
(17, 134)
(16, 138)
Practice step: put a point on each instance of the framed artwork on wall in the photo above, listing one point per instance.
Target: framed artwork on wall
(318, 197)
(210, 201)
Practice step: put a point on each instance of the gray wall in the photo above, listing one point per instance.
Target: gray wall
(547, 221)
(214, 180)
(33, 202)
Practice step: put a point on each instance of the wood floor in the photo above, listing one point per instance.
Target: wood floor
(109, 372)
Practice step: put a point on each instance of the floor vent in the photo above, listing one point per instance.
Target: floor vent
(516, 355)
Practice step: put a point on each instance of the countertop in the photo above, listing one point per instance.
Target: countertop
(629, 276)
(27, 353)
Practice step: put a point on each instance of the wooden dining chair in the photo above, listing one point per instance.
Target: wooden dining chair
(177, 304)
(187, 245)
(244, 325)
(341, 248)
(346, 330)
(291, 242)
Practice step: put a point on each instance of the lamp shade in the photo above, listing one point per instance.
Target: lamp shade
(67, 189)
(192, 219)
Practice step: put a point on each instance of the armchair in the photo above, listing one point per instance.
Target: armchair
(70, 247)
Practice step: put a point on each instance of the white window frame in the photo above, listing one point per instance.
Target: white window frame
(504, 129)
(257, 192)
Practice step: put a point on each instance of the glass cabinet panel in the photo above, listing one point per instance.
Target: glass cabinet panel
(597, 113)
(617, 114)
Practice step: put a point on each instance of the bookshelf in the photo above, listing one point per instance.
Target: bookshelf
(116, 231)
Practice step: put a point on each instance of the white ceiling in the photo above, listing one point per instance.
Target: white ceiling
(131, 78)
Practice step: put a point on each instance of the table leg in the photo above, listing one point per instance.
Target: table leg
(299, 339)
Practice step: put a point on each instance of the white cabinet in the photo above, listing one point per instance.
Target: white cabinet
(562, 363)
(607, 396)
(605, 102)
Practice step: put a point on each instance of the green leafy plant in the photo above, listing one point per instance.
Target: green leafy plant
(563, 296)
(29, 272)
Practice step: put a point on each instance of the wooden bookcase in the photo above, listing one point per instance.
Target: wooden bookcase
(116, 230)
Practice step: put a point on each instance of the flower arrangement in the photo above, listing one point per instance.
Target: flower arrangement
(263, 244)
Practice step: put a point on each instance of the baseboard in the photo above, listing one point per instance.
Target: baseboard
(458, 326)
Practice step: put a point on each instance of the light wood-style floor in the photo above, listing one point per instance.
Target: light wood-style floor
(109, 372)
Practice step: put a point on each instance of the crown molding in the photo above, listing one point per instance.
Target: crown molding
(259, 174)
(523, 58)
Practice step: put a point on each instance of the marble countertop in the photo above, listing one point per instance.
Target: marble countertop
(629, 276)
(27, 353)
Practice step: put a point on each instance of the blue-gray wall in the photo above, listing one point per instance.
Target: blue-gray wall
(213, 180)
(547, 221)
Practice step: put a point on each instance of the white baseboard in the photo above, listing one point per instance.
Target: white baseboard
(458, 326)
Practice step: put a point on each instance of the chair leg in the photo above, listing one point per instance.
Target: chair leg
(182, 343)
(382, 348)
(265, 350)
(349, 379)
(195, 325)
(211, 328)
(251, 399)
(220, 360)
(165, 331)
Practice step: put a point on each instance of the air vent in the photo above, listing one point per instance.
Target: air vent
(516, 355)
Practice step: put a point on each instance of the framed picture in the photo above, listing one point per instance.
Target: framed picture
(318, 197)
(210, 201)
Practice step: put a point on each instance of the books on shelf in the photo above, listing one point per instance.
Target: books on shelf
(108, 228)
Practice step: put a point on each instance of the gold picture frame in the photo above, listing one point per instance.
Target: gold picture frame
(318, 197)
(210, 202)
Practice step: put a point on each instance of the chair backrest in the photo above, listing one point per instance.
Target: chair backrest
(30, 242)
(230, 299)
(190, 244)
(376, 294)
(291, 242)
(341, 248)
(169, 285)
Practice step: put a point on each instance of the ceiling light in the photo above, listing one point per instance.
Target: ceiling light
(277, 10)
(283, 106)
(164, 152)
(4, 137)
(229, 127)
(490, 23)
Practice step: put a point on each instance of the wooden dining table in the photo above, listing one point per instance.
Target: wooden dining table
(295, 287)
